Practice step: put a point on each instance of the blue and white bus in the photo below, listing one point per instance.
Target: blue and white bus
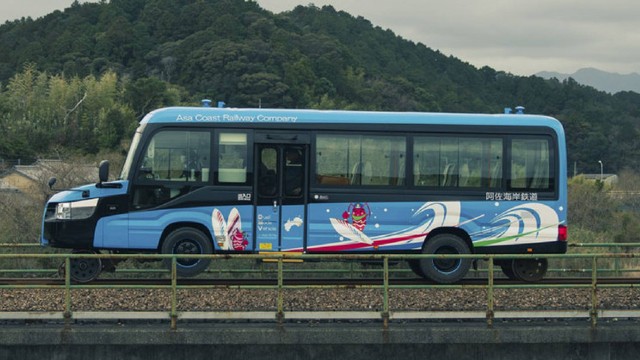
(202, 180)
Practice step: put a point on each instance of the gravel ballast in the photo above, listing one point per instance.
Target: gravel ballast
(316, 299)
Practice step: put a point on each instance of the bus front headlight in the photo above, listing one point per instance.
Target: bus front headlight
(76, 210)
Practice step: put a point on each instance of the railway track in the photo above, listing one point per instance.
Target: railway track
(344, 283)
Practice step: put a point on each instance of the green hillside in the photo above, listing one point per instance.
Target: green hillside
(80, 79)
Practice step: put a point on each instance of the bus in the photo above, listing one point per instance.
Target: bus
(203, 180)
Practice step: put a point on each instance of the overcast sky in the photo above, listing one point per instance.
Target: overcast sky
(518, 36)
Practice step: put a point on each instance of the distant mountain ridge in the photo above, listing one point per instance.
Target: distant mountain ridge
(601, 80)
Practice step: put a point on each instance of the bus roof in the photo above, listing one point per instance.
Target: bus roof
(182, 115)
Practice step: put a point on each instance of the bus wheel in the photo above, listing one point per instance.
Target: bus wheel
(529, 270)
(84, 270)
(507, 269)
(187, 241)
(445, 271)
(414, 265)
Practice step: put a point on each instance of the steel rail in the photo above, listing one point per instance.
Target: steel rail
(346, 282)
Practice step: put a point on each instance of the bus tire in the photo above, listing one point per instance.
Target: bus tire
(507, 269)
(187, 240)
(530, 270)
(414, 265)
(445, 271)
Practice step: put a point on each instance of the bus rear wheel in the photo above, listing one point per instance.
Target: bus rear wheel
(507, 268)
(187, 241)
(414, 265)
(445, 271)
(529, 270)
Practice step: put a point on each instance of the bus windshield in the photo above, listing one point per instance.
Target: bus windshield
(132, 151)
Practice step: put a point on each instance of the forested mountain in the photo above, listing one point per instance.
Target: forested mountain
(80, 79)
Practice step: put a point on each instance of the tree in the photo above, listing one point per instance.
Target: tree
(44, 110)
(263, 90)
(145, 94)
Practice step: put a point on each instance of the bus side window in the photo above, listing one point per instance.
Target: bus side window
(530, 164)
(267, 173)
(173, 161)
(232, 158)
(457, 162)
(177, 156)
(294, 172)
(360, 160)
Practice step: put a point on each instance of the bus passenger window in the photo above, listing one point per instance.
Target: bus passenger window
(530, 164)
(426, 160)
(360, 160)
(294, 172)
(232, 158)
(457, 162)
(268, 172)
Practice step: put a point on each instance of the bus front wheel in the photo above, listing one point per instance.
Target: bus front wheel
(187, 241)
(445, 270)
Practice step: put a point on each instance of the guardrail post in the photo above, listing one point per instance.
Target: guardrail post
(594, 292)
(67, 291)
(174, 293)
(490, 312)
(280, 314)
(385, 296)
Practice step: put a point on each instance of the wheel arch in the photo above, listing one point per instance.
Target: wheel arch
(451, 230)
(177, 225)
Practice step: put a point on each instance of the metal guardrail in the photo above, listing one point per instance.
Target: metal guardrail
(386, 315)
(604, 245)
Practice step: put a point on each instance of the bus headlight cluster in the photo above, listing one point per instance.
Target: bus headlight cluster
(76, 210)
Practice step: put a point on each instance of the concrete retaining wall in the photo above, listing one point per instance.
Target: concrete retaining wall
(353, 341)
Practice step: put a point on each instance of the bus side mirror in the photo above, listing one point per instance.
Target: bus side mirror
(52, 181)
(103, 171)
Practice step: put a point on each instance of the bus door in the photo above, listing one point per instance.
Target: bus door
(281, 194)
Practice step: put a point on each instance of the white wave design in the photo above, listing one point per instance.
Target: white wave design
(440, 214)
(437, 214)
(523, 224)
